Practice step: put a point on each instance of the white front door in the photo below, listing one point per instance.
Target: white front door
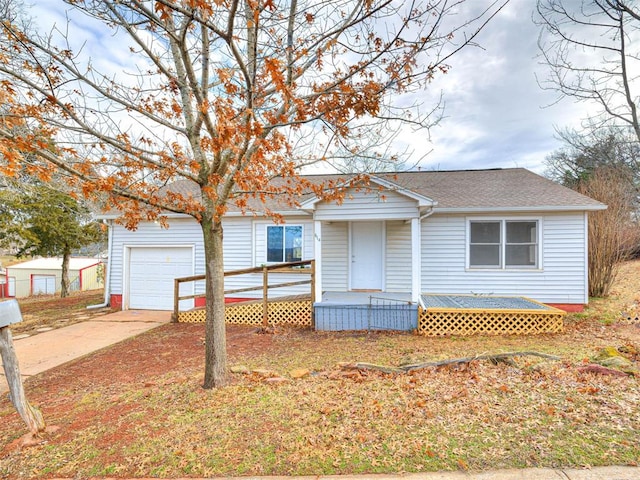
(367, 255)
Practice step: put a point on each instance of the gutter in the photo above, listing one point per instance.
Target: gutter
(425, 215)
(107, 280)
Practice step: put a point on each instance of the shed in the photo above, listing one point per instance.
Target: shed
(43, 276)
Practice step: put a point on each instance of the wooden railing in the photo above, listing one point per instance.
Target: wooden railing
(266, 270)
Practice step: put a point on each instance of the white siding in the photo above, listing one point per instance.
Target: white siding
(237, 243)
(248, 257)
(561, 278)
(183, 232)
(335, 256)
(239, 251)
(398, 257)
(368, 205)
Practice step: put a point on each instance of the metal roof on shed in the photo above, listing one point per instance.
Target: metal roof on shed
(54, 264)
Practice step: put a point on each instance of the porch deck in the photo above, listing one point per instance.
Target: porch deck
(295, 310)
(488, 315)
(434, 315)
(481, 302)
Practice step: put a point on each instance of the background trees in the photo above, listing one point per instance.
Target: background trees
(226, 95)
(592, 50)
(604, 165)
(584, 152)
(613, 233)
(37, 219)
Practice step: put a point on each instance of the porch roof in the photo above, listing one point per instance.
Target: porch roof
(385, 184)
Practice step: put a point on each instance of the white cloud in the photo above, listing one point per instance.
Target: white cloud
(494, 108)
(494, 115)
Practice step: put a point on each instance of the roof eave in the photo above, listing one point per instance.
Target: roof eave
(543, 208)
(285, 213)
(309, 205)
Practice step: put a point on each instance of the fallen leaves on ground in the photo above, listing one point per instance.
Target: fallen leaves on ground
(137, 408)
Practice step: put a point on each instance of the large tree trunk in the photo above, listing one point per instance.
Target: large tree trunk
(64, 283)
(215, 370)
(31, 415)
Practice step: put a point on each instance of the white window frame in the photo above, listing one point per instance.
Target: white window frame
(503, 243)
(283, 226)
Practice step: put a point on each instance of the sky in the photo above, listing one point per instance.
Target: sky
(495, 115)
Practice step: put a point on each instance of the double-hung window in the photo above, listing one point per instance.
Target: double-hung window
(504, 244)
(284, 243)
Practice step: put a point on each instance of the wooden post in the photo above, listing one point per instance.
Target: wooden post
(176, 301)
(265, 296)
(31, 415)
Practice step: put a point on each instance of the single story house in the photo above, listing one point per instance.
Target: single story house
(43, 276)
(505, 232)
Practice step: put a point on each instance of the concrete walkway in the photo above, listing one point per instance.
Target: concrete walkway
(595, 473)
(41, 352)
(598, 473)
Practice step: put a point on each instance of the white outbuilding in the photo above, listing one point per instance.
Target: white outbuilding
(43, 276)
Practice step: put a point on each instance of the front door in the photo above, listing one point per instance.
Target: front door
(367, 252)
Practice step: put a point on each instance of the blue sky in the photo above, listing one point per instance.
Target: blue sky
(495, 113)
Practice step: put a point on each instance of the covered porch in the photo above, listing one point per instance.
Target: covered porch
(370, 242)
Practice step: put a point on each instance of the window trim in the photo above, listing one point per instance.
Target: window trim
(503, 244)
(284, 246)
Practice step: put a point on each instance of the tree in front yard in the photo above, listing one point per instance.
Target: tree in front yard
(36, 219)
(225, 95)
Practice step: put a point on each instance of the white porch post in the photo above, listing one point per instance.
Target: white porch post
(416, 256)
(317, 253)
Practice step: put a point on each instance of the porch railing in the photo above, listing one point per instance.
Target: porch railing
(306, 267)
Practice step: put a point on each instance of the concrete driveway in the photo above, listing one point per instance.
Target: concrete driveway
(46, 350)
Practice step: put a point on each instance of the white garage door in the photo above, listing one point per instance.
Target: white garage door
(151, 274)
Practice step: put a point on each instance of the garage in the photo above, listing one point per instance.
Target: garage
(152, 271)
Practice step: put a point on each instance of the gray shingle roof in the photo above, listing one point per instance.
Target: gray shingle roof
(513, 188)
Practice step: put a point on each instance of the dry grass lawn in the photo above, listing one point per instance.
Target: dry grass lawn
(137, 408)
